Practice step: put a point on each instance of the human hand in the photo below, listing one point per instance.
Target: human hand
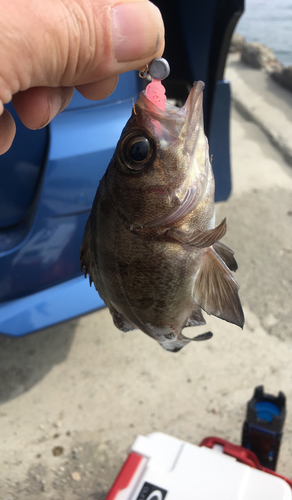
(48, 48)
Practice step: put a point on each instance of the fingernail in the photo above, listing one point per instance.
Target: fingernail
(56, 103)
(137, 30)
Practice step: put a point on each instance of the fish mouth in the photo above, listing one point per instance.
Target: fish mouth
(192, 111)
(186, 120)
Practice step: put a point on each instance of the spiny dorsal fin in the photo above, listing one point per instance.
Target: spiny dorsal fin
(85, 256)
(226, 255)
(216, 290)
(200, 239)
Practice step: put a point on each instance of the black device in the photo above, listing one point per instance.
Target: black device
(262, 429)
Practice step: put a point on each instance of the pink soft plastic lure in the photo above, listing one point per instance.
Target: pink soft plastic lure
(155, 92)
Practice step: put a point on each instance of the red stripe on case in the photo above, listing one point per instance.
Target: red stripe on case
(125, 475)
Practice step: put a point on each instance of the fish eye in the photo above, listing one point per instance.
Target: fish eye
(136, 152)
(138, 149)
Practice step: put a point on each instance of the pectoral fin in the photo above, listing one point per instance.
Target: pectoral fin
(196, 238)
(216, 290)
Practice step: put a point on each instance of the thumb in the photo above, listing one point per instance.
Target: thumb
(47, 48)
(132, 36)
(74, 42)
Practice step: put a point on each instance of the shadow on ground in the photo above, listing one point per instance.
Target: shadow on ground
(26, 360)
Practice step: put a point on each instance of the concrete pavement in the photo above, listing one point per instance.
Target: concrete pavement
(261, 99)
(74, 397)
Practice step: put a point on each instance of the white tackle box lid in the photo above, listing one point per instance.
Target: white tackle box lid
(163, 467)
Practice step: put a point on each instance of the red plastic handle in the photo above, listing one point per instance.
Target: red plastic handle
(241, 454)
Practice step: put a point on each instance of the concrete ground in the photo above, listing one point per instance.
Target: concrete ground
(75, 396)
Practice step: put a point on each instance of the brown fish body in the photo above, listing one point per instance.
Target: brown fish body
(150, 245)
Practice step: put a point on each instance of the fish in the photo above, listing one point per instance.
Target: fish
(150, 244)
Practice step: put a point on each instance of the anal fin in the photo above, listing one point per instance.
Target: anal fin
(216, 290)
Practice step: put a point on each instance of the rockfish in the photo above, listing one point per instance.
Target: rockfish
(150, 244)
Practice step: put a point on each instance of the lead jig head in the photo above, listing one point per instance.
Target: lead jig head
(159, 68)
